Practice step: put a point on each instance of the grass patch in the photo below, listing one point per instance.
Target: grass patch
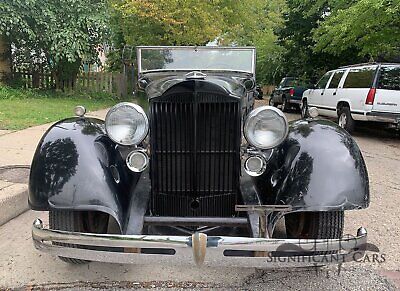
(22, 108)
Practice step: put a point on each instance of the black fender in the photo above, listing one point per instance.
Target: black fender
(74, 167)
(319, 167)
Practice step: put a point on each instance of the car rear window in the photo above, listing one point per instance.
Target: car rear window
(389, 78)
(360, 78)
(291, 83)
(336, 79)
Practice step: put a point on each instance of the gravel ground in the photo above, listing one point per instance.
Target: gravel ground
(313, 279)
(25, 268)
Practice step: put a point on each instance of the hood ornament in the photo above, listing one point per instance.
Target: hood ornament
(195, 75)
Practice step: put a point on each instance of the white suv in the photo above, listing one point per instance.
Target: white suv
(365, 92)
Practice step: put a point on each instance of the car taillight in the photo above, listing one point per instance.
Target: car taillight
(291, 92)
(371, 96)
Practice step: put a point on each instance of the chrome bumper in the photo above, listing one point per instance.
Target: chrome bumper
(383, 117)
(208, 250)
(295, 101)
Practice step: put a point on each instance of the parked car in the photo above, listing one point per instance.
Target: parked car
(288, 93)
(364, 92)
(197, 172)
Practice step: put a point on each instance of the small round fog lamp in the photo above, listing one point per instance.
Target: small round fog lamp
(137, 161)
(255, 166)
(80, 111)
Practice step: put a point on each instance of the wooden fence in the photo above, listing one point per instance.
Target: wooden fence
(108, 82)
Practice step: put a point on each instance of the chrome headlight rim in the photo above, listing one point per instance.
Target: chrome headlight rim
(129, 164)
(140, 110)
(256, 111)
(262, 168)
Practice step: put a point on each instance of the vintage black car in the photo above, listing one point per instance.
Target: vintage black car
(198, 172)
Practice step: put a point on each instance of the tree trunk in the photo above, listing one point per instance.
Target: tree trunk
(5, 59)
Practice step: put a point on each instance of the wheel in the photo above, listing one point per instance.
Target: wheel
(345, 120)
(77, 221)
(285, 104)
(315, 225)
(271, 102)
(312, 225)
(304, 109)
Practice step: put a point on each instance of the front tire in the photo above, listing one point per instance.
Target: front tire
(345, 120)
(271, 102)
(315, 225)
(77, 221)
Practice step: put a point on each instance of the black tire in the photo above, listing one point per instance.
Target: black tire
(315, 225)
(271, 101)
(304, 109)
(285, 104)
(345, 120)
(77, 221)
(312, 225)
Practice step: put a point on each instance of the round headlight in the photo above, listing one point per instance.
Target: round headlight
(266, 127)
(127, 124)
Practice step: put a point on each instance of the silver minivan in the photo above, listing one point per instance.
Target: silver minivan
(363, 92)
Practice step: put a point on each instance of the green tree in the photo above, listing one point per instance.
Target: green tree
(170, 22)
(254, 23)
(301, 59)
(227, 22)
(58, 34)
(371, 27)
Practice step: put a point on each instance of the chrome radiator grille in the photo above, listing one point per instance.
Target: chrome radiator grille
(195, 154)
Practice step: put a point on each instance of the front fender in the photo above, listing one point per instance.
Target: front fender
(319, 167)
(71, 169)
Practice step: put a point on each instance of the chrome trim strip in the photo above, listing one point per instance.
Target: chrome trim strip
(210, 249)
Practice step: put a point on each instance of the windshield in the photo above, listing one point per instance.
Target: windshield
(196, 59)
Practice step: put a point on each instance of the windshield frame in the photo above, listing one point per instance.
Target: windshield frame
(140, 48)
